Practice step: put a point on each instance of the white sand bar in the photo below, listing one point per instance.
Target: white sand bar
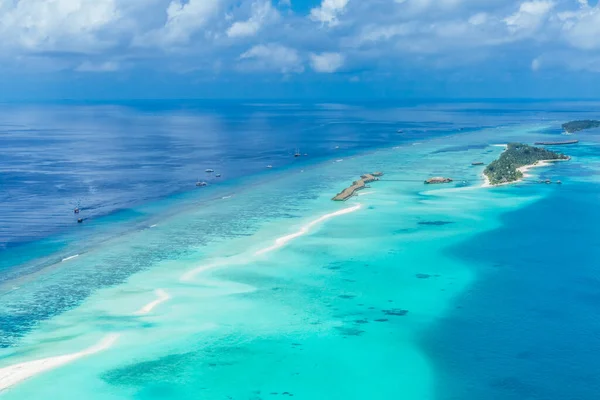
(162, 297)
(14, 374)
(279, 242)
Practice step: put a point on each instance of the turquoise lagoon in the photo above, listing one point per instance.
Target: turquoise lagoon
(268, 289)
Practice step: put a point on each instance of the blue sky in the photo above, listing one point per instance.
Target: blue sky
(103, 49)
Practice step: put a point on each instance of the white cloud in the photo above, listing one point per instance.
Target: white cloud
(184, 19)
(87, 35)
(328, 11)
(274, 57)
(262, 12)
(58, 25)
(326, 62)
(529, 16)
(108, 66)
(582, 30)
(376, 33)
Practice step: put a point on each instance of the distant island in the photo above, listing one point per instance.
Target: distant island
(576, 126)
(559, 143)
(515, 160)
(437, 179)
(357, 185)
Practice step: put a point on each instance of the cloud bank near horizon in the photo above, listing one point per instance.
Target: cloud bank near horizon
(356, 40)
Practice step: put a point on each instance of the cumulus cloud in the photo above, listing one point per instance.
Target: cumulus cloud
(529, 16)
(184, 19)
(262, 12)
(272, 36)
(59, 25)
(582, 29)
(326, 62)
(328, 11)
(274, 57)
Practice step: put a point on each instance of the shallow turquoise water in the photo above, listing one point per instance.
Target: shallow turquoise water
(338, 312)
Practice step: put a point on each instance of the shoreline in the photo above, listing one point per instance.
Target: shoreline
(524, 169)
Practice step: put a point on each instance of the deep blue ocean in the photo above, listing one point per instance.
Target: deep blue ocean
(527, 328)
(531, 328)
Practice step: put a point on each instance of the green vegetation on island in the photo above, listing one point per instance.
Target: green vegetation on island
(575, 126)
(506, 168)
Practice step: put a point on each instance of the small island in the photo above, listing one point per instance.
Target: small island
(357, 185)
(437, 179)
(515, 160)
(576, 126)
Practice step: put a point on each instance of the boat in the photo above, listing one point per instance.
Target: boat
(477, 163)
(209, 170)
(218, 175)
(201, 183)
(399, 131)
(76, 210)
(269, 166)
(297, 153)
(79, 220)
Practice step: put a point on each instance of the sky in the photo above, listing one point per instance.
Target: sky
(355, 49)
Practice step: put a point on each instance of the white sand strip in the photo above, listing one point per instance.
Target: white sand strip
(70, 258)
(285, 239)
(162, 297)
(14, 374)
(188, 276)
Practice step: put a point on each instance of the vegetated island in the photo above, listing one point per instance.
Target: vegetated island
(576, 126)
(357, 185)
(515, 160)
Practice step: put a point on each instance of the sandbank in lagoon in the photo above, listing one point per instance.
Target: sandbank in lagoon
(14, 374)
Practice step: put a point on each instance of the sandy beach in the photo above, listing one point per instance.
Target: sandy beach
(14, 374)
(524, 169)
